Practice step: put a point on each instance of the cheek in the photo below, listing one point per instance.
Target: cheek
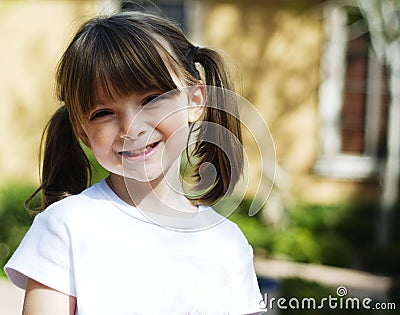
(175, 127)
(175, 132)
(100, 139)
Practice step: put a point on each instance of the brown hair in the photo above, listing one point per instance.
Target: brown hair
(125, 52)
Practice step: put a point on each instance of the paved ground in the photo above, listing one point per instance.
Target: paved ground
(10, 298)
(359, 283)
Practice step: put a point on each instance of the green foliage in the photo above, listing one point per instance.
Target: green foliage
(255, 232)
(318, 241)
(299, 244)
(14, 219)
(358, 227)
(98, 172)
(338, 235)
(310, 235)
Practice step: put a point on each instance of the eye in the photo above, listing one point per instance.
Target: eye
(150, 98)
(100, 113)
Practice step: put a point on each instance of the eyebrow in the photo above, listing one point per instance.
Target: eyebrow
(98, 103)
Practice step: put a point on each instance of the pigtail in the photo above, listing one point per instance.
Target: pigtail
(219, 149)
(65, 168)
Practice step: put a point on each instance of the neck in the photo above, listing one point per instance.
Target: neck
(163, 195)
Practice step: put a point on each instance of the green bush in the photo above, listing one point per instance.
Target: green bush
(310, 236)
(339, 235)
(318, 238)
(14, 219)
(299, 244)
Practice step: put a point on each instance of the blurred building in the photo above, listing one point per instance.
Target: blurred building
(306, 65)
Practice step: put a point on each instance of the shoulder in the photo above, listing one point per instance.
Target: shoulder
(74, 208)
(224, 225)
(229, 235)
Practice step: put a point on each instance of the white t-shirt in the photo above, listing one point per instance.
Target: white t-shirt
(114, 260)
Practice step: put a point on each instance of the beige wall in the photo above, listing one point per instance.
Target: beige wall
(32, 37)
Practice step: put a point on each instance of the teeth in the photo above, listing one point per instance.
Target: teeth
(140, 151)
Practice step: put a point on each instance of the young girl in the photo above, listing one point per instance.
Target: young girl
(133, 90)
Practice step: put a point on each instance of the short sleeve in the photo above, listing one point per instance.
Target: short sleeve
(43, 255)
(246, 295)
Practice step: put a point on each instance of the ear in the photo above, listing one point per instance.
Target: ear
(197, 99)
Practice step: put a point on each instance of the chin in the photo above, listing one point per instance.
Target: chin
(143, 176)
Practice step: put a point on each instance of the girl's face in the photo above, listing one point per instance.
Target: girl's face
(141, 135)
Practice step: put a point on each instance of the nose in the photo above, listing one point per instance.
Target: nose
(132, 127)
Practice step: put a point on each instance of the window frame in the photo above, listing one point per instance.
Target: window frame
(331, 161)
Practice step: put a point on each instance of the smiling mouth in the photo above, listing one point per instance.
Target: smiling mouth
(140, 152)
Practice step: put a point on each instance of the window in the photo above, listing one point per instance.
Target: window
(353, 99)
(187, 13)
(171, 9)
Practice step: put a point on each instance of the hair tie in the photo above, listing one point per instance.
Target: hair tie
(193, 52)
(192, 58)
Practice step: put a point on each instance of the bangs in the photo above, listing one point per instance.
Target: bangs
(117, 57)
(127, 60)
